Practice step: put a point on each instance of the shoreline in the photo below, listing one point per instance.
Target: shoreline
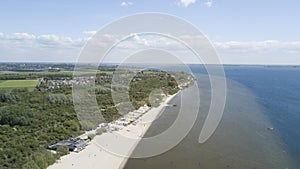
(155, 115)
(98, 156)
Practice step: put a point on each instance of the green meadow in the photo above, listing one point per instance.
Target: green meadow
(18, 83)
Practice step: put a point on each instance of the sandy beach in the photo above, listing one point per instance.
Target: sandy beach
(110, 150)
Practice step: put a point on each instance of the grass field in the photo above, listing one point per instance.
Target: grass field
(18, 83)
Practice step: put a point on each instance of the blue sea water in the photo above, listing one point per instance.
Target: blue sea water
(277, 89)
(254, 92)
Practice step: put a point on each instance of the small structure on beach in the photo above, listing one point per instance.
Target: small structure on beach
(74, 144)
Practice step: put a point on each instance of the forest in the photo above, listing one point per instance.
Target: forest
(31, 120)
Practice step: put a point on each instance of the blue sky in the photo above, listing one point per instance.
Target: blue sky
(269, 29)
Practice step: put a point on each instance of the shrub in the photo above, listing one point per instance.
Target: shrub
(62, 150)
(91, 136)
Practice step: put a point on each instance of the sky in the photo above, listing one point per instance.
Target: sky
(242, 32)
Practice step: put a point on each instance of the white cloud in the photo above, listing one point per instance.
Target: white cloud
(21, 36)
(29, 47)
(124, 4)
(267, 45)
(186, 3)
(259, 52)
(140, 40)
(54, 39)
(209, 3)
(89, 33)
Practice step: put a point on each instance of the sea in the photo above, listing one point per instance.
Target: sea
(260, 127)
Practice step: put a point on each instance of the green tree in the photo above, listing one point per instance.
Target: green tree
(30, 165)
(62, 150)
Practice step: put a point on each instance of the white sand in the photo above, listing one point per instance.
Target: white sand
(98, 155)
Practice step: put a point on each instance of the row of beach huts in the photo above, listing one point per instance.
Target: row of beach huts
(78, 144)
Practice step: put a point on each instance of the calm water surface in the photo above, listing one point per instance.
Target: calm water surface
(257, 98)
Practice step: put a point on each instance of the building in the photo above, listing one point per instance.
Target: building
(50, 69)
(74, 144)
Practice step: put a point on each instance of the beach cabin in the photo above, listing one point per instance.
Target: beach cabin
(74, 144)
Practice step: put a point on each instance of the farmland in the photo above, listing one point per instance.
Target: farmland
(18, 83)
